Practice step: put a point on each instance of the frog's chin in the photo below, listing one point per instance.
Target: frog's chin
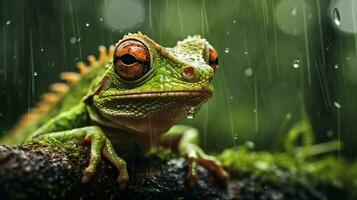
(151, 125)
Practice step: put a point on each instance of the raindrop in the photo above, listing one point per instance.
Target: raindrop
(293, 11)
(296, 64)
(235, 138)
(42, 49)
(348, 58)
(79, 39)
(234, 21)
(336, 17)
(248, 72)
(254, 110)
(227, 32)
(250, 144)
(226, 50)
(337, 105)
(191, 113)
(101, 19)
(329, 133)
(73, 40)
(335, 66)
(8, 23)
(231, 97)
(35, 74)
(87, 24)
(246, 53)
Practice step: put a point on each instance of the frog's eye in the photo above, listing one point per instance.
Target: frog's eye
(212, 58)
(131, 60)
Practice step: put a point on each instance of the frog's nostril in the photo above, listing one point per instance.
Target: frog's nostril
(189, 73)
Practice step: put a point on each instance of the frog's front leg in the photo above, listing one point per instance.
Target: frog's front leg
(187, 138)
(99, 144)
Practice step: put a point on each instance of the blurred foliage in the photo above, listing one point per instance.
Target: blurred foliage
(280, 60)
(298, 165)
(326, 176)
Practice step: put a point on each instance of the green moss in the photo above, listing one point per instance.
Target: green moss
(277, 167)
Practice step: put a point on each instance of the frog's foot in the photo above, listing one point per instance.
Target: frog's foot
(196, 156)
(100, 144)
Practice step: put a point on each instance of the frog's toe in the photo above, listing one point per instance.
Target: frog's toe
(119, 163)
(213, 164)
(97, 143)
(192, 168)
(196, 156)
(87, 176)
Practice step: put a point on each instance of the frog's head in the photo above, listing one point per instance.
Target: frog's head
(149, 85)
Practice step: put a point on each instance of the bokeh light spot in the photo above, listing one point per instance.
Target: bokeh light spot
(123, 14)
(292, 16)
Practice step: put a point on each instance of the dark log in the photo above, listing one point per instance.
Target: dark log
(42, 172)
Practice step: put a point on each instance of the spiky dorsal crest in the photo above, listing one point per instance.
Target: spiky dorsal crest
(57, 90)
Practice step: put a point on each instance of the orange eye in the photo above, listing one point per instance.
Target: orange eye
(131, 60)
(213, 58)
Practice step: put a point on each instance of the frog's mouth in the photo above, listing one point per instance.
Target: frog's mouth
(153, 104)
(203, 93)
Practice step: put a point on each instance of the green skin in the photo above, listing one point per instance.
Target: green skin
(107, 111)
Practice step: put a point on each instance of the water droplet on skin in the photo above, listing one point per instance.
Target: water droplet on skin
(248, 72)
(8, 23)
(335, 66)
(87, 24)
(336, 17)
(226, 50)
(337, 105)
(296, 64)
(234, 21)
(191, 113)
(35, 73)
(293, 11)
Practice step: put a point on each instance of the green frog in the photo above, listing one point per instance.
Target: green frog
(135, 94)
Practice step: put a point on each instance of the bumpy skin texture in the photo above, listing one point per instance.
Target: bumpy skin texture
(138, 96)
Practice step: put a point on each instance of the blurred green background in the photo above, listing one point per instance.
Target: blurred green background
(279, 59)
